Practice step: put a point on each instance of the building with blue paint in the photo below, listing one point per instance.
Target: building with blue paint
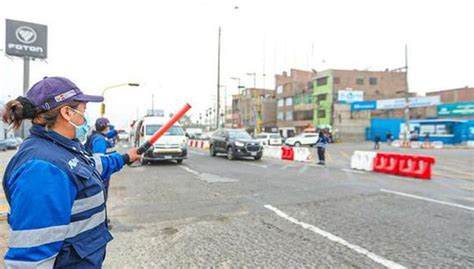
(448, 131)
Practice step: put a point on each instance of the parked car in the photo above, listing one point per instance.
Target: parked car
(269, 139)
(235, 143)
(3, 145)
(122, 135)
(13, 142)
(309, 139)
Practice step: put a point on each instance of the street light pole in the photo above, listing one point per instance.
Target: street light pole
(218, 77)
(102, 106)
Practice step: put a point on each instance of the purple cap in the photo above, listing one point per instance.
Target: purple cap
(103, 122)
(51, 92)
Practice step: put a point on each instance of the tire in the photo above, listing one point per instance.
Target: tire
(212, 152)
(230, 153)
(297, 144)
(258, 157)
(143, 161)
(179, 161)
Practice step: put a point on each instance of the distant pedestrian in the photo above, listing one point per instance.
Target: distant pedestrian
(321, 144)
(427, 137)
(389, 138)
(377, 141)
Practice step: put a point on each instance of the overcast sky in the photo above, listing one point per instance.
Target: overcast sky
(170, 47)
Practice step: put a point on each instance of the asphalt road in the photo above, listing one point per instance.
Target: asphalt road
(212, 212)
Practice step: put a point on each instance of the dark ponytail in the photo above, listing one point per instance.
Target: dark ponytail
(18, 110)
(22, 109)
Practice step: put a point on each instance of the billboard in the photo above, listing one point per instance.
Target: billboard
(413, 102)
(349, 96)
(364, 105)
(397, 103)
(456, 109)
(26, 39)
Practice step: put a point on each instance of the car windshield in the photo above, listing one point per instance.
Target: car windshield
(175, 130)
(275, 136)
(239, 135)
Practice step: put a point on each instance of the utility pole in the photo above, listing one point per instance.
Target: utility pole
(152, 104)
(218, 77)
(407, 104)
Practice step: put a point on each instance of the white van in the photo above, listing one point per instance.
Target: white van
(171, 146)
(269, 139)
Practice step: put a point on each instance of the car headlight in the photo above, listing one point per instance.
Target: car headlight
(239, 144)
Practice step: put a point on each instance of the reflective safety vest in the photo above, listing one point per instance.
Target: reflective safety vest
(57, 207)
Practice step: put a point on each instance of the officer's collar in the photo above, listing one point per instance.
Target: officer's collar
(42, 131)
(100, 133)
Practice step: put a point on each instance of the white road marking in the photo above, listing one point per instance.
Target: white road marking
(352, 171)
(303, 169)
(254, 164)
(427, 199)
(334, 238)
(198, 153)
(209, 178)
(189, 170)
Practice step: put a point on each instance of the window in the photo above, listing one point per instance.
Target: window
(321, 113)
(289, 115)
(308, 99)
(373, 81)
(336, 80)
(322, 81)
(289, 101)
(308, 115)
(279, 89)
(174, 130)
(310, 85)
(280, 116)
(280, 102)
(360, 81)
(297, 100)
(321, 97)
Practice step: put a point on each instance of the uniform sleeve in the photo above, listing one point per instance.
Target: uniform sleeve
(41, 200)
(111, 134)
(109, 164)
(99, 146)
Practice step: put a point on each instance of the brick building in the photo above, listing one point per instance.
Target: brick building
(245, 109)
(459, 95)
(294, 100)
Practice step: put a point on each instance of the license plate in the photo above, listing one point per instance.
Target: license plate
(167, 157)
(253, 153)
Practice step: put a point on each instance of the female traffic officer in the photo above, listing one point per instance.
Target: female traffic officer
(54, 188)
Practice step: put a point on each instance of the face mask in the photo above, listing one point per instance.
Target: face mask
(83, 129)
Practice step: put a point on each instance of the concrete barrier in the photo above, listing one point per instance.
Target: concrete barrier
(302, 154)
(363, 160)
(273, 152)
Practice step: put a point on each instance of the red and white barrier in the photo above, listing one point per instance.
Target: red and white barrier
(198, 144)
(394, 163)
(288, 153)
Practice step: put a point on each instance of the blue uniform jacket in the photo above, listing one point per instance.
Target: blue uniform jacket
(99, 143)
(57, 207)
